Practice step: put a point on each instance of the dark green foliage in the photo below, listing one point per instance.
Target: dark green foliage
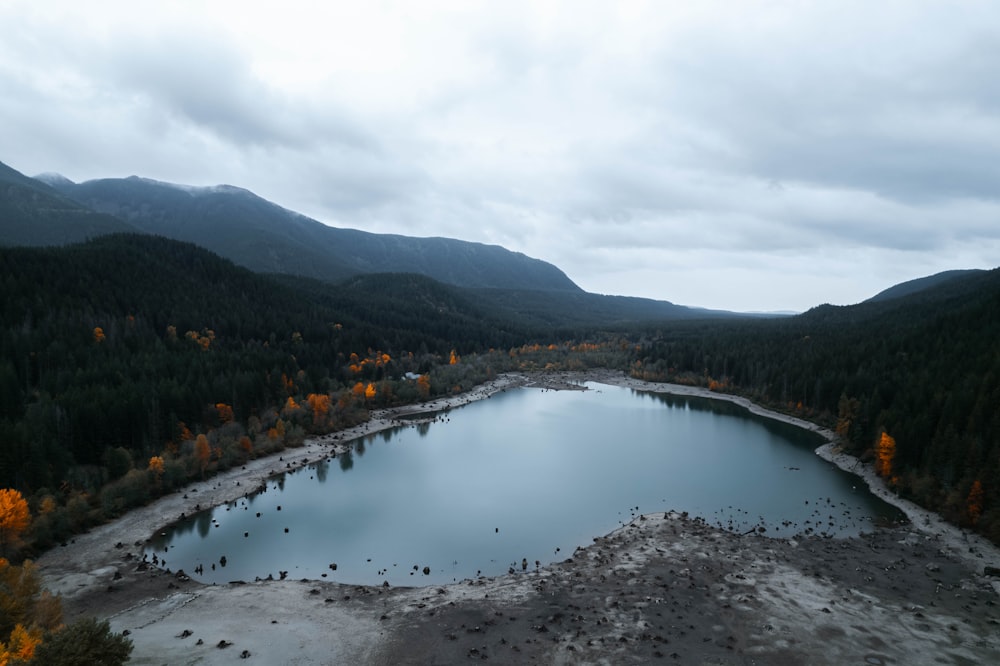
(86, 642)
(920, 284)
(122, 349)
(68, 398)
(925, 367)
(565, 314)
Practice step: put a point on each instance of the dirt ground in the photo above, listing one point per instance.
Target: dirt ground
(666, 587)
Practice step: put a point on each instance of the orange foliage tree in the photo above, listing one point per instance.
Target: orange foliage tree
(370, 391)
(99, 334)
(974, 503)
(225, 412)
(156, 466)
(203, 339)
(424, 386)
(21, 646)
(320, 405)
(885, 453)
(25, 611)
(14, 517)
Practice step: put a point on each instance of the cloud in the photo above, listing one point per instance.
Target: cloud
(746, 156)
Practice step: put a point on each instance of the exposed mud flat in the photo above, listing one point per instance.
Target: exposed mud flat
(664, 587)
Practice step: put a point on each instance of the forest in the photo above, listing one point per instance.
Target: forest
(133, 364)
(910, 383)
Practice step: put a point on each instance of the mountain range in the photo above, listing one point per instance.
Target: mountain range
(32, 213)
(105, 321)
(266, 238)
(236, 224)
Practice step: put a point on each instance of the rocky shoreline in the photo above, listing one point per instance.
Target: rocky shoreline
(666, 586)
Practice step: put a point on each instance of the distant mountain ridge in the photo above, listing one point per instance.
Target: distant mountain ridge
(920, 284)
(32, 213)
(260, 235)
(509, 288)
(267, 238)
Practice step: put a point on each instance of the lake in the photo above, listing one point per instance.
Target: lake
(525, 476)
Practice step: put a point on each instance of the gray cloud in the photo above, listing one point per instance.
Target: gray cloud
(765, 155)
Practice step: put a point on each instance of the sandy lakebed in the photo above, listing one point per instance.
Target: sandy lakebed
(665, 588)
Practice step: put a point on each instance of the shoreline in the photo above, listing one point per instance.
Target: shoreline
(974, 549)
(734, 583)
(61, 566)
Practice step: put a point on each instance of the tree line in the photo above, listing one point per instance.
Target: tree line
(923, 370)
(131, 365)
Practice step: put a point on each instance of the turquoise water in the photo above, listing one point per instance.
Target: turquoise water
(528, 474)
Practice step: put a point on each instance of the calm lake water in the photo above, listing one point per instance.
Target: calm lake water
(528, 474)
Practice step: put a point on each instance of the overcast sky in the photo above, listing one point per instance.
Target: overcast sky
(736, 155)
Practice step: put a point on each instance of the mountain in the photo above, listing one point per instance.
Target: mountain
(112, 342)
(262, 236)
(919, 284)
(561, 310)
(910, 303)
(33, 213)
(923, 368)
(508, 288)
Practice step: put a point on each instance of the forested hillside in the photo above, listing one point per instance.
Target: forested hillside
(923, 369)
(133, 363)
(920, 284)
(264, 237)
(32, 213)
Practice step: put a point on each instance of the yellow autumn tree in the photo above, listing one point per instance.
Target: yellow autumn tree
(26, 611)
(454, 359)
(320, 405)
(370, 391)
(21, 646)
(156, 466)
(885, 454)
(14, 517)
